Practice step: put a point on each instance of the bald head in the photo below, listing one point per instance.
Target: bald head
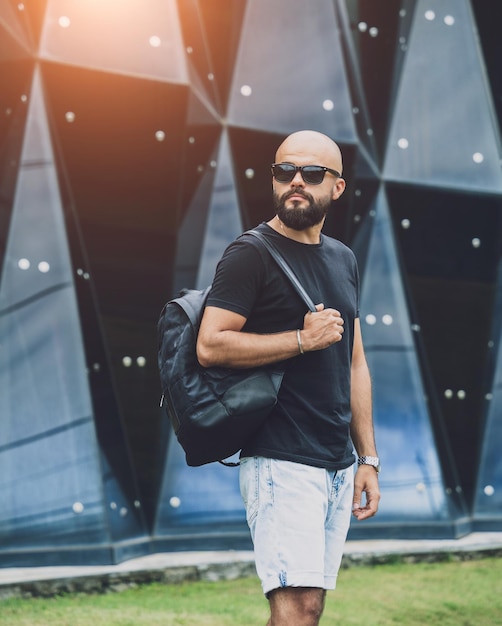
(310, 146)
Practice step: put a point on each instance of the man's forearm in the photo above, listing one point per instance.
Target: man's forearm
(222, 342)
(361, 427)
(230, 348)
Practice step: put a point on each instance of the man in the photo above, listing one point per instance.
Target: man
(297, 472)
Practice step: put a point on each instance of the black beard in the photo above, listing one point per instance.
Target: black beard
(300, 219)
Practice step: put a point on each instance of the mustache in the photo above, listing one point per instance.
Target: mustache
(296, 191)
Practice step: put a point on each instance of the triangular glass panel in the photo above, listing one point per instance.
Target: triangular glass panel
(443, 130)
(12, 26)
(224, 221)
(120, 37)
(49, 463)
(281, 86)
(199, 505)
(54, 486)
(488, 498)
(414, 497)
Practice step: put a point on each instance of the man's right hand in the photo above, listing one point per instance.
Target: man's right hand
(321, 329)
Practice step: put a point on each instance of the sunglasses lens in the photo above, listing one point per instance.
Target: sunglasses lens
(284, 173)
(313, 174)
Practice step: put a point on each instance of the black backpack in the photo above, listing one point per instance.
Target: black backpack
(214, 410)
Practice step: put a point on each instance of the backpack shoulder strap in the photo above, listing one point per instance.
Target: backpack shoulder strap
(282, 263)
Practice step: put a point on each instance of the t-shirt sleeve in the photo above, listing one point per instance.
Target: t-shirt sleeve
(238, 278)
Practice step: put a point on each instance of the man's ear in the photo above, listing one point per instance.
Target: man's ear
(338, 188)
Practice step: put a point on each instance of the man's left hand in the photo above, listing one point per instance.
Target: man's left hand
(366, 481)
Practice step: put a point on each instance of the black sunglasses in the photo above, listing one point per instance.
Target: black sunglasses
(311, 174)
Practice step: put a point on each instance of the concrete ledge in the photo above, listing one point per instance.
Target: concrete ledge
(177, 567)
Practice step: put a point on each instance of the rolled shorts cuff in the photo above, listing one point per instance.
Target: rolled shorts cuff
(301, 579)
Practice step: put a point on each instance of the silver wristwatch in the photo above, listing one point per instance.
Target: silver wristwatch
(369, 460)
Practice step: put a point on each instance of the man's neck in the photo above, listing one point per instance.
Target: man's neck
(311, 235)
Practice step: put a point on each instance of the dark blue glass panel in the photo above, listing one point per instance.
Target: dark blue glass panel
(427, 142)
(414, 492)
(488, 497)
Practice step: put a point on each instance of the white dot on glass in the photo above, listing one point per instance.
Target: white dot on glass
(78, 507)
(43, 267)
(64, 21)
(137, 504)
(70, 116)
(123, 511)
(127, 361)
(113, 506)
(402, 13)
(489, 490)
(420, 487)
(189, 49)
(415, 328)
(249, 173)
(174, 502)
(370, 319)
(86, 275)
(200, 168)
(328, 105)
(405, 223)
(210, 76)
(160, 135)
(23, 264)
(191, 140)
(478, 157)
(213, 164)
(246, 90)
(430, 15)
(20, 6)
(355, 110)
(24, 98)
(387, 319)
(357, 218)
(96, 367)
(155, 41)
(141, 361)
(362, 26)
(449, 20)
(461, 394)
(369, 132)
(373, 31)
(403, 143)
(489, 396)
(358, 193)
(448, 393)
(476, 242)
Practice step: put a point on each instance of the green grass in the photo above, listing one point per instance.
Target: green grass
(463, 593)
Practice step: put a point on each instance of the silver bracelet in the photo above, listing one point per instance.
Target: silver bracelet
(299, 339)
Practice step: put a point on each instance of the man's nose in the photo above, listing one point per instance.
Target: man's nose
(298, 180)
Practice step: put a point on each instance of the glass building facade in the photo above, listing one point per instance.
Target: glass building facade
(135, 144)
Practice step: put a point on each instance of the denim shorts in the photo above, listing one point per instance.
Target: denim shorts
(299, 517)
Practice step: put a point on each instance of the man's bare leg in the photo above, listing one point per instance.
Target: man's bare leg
(296, 606)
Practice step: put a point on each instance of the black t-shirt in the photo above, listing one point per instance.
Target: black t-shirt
(310, 423)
